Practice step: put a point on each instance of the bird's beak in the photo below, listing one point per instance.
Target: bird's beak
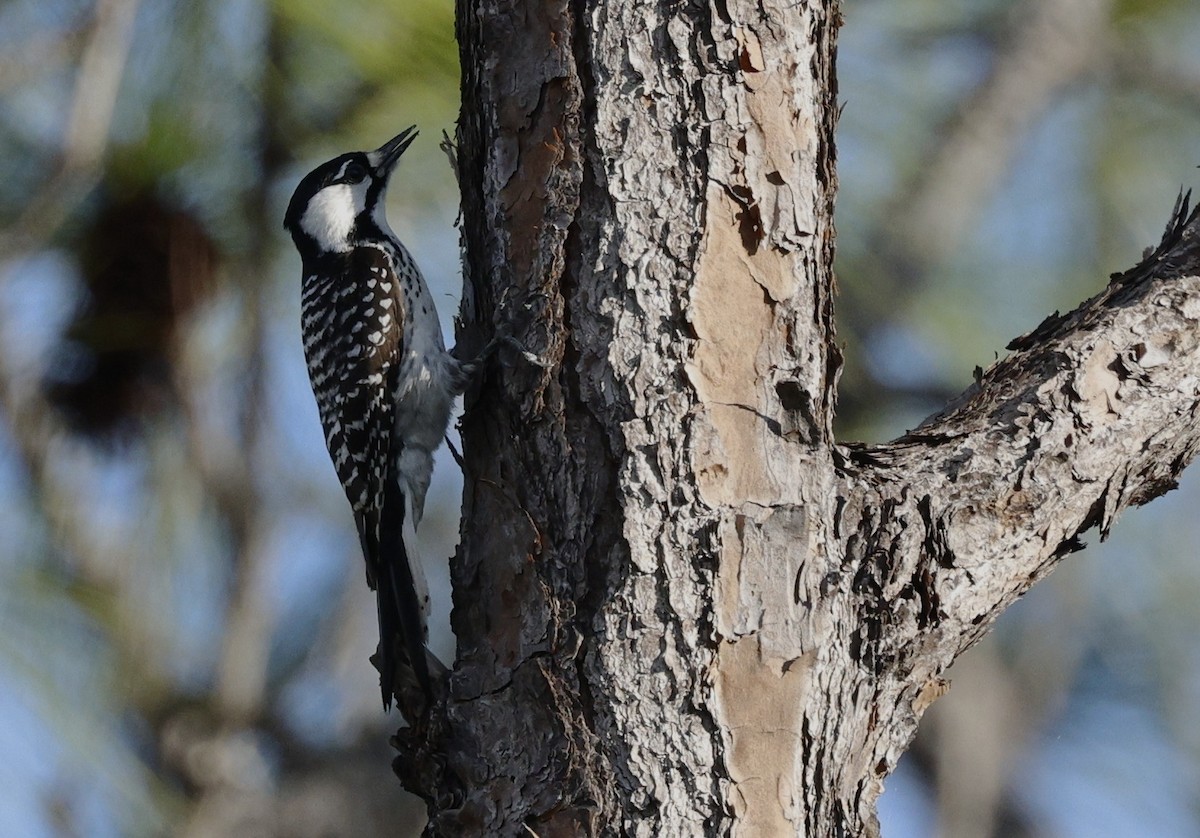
(384, 158)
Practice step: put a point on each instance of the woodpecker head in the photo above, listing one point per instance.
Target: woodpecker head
(341, 202)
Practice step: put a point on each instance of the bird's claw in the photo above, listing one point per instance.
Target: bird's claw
(533, 358)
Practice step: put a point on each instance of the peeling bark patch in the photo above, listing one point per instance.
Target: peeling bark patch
(934, 689)
(768, 646)
(732, 322)
(1097, 386)
(727, 310)
(741, 451)
(757, 580)
(761, 701)
(541, 151)
(750, 55)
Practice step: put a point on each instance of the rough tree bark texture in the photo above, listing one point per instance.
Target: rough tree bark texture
(681, 609)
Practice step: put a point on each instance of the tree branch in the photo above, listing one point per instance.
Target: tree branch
(939, 531)
(1095, 410)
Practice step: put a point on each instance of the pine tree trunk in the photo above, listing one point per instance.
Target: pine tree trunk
(681, 609)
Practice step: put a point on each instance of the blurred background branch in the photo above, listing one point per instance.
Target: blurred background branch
(1049, 46)
(101, 65)
(184, 628)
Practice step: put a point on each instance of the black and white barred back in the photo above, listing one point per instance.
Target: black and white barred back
(383, 381)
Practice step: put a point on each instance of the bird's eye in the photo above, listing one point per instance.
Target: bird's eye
(355, 173)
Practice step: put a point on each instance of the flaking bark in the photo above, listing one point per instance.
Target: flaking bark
(681, 609)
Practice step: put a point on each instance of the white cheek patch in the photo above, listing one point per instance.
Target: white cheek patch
(329, 216)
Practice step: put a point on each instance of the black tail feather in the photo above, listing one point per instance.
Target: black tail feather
(389, 628)
(401, 624)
